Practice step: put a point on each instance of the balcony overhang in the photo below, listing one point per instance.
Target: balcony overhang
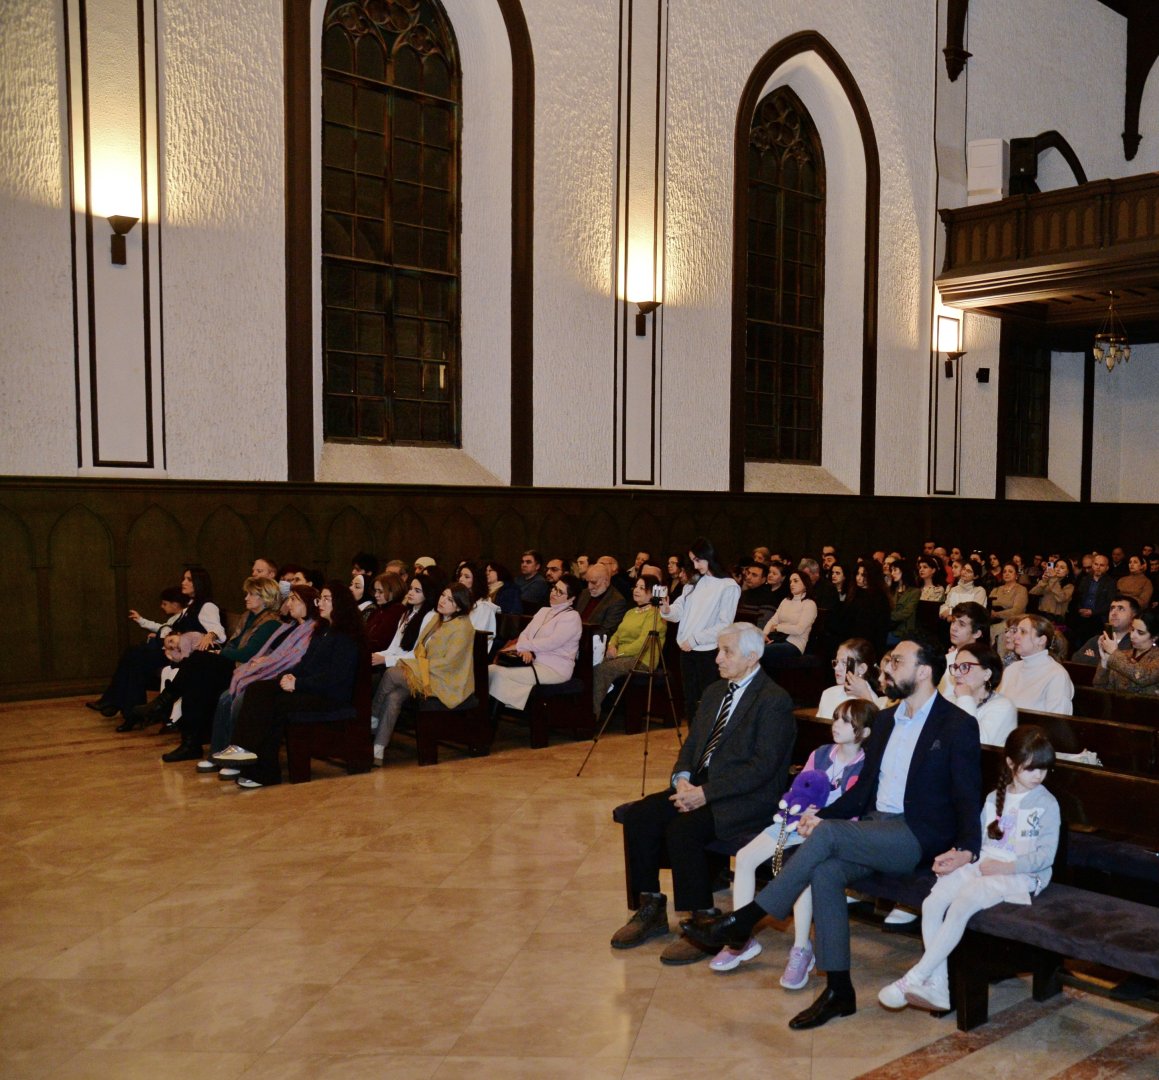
(1049, 259)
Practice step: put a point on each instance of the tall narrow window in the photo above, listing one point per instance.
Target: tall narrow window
(1029, 417)
(391, 100)
(785, 275)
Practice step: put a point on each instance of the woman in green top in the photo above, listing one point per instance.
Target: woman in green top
(903, 601)
(203, 677)
(629, 641)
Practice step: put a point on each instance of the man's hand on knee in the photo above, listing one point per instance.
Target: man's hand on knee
(687, 797)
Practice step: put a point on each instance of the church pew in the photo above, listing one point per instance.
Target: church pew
(1129, 748)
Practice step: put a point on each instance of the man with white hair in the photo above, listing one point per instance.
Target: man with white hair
(729, 776)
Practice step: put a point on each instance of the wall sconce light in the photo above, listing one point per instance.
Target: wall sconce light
(644, 308)
(949, 331)
(122, 226)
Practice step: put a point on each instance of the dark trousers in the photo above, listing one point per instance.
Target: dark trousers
(261, 724)
(656, 833)
(697, 671)
(138, 670)
(201, 679)
(837, 853)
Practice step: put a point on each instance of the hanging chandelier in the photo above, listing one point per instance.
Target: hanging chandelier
(1111, 345)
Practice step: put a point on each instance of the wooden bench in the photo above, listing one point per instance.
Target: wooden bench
(341, 735)
(566, 705)
(1129, 748)
(1102, 704)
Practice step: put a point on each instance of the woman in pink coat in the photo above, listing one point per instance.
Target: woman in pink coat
(547, 648)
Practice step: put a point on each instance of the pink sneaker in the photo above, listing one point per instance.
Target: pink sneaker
(801, 962)
(728, 959)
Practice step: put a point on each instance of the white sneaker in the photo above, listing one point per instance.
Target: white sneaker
(207, 766)
(228, 774)
(900, 917)
(379, 754)
(246, 784)
(928, 994)
(894, 995)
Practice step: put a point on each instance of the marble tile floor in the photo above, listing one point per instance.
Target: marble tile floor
(445, 922)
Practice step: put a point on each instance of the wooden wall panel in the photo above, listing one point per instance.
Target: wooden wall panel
(79, 553)
(85, 603)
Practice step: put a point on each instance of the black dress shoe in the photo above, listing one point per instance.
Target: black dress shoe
(99, 705)
(824, 1009)
(184, 752)
(130, 723)
(717, 932)
(108, 711)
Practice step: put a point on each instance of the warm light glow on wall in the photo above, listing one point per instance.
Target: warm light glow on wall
(949, 333)
(642, 281)
(116, 178)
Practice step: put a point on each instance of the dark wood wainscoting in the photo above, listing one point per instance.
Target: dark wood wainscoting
(78, 554)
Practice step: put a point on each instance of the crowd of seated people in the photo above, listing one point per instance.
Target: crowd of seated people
(1091, 608)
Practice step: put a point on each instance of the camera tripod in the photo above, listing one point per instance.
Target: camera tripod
(649, 661)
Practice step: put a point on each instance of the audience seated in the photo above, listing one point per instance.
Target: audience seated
(533, 586)
(856, 678)
(931, 578)
(1054, 591)
(1093, 593)
(484, 611)
(1134, 667)
(280, 654)
(787, 632)
(963, 591)
(544, 652)
(599, 603)
(323, 681)
(502, 590)
(1136, 583)
(976, 670)
(442, 667)
(1123, 611)
(1007, 600)
(140, 665)
(362, 589)
(204, 676)
(418, 612)
(389, 590)
(969, 624)
(1037, 681)
(629, 643)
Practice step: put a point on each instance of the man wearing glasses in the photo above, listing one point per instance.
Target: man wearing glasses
(917, 803)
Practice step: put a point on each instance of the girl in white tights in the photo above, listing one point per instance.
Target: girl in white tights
(1020, 824)
(841, 762)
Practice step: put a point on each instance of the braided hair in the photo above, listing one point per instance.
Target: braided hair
(1027, 747)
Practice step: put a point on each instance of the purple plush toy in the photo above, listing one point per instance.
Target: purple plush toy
(809, 788)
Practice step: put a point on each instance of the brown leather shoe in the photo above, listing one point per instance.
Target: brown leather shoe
(650, 921)
(684, 951)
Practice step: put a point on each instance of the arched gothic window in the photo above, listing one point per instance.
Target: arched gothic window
(391, 121)
(784, 287)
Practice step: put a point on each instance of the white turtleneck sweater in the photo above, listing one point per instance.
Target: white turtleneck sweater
(1039, 682)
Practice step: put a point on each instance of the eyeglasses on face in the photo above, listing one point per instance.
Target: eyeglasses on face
(963, 668)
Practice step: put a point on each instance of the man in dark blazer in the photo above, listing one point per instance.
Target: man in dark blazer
(731, 772)
(918, 801)
(599, 603)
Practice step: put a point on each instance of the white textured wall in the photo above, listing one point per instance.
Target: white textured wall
(1139, 424)
(37, 395)
(575, 49)
(703, 98)
(224, 252)
(1064, 468)
(1039, 65)
(979, 415)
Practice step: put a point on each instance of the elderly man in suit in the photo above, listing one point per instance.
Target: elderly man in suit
(918, 802)
(599, 603)
(729, 776)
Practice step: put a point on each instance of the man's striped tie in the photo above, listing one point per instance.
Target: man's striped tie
(718, 727)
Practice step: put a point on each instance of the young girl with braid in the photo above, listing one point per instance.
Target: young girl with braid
(1020, 824)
